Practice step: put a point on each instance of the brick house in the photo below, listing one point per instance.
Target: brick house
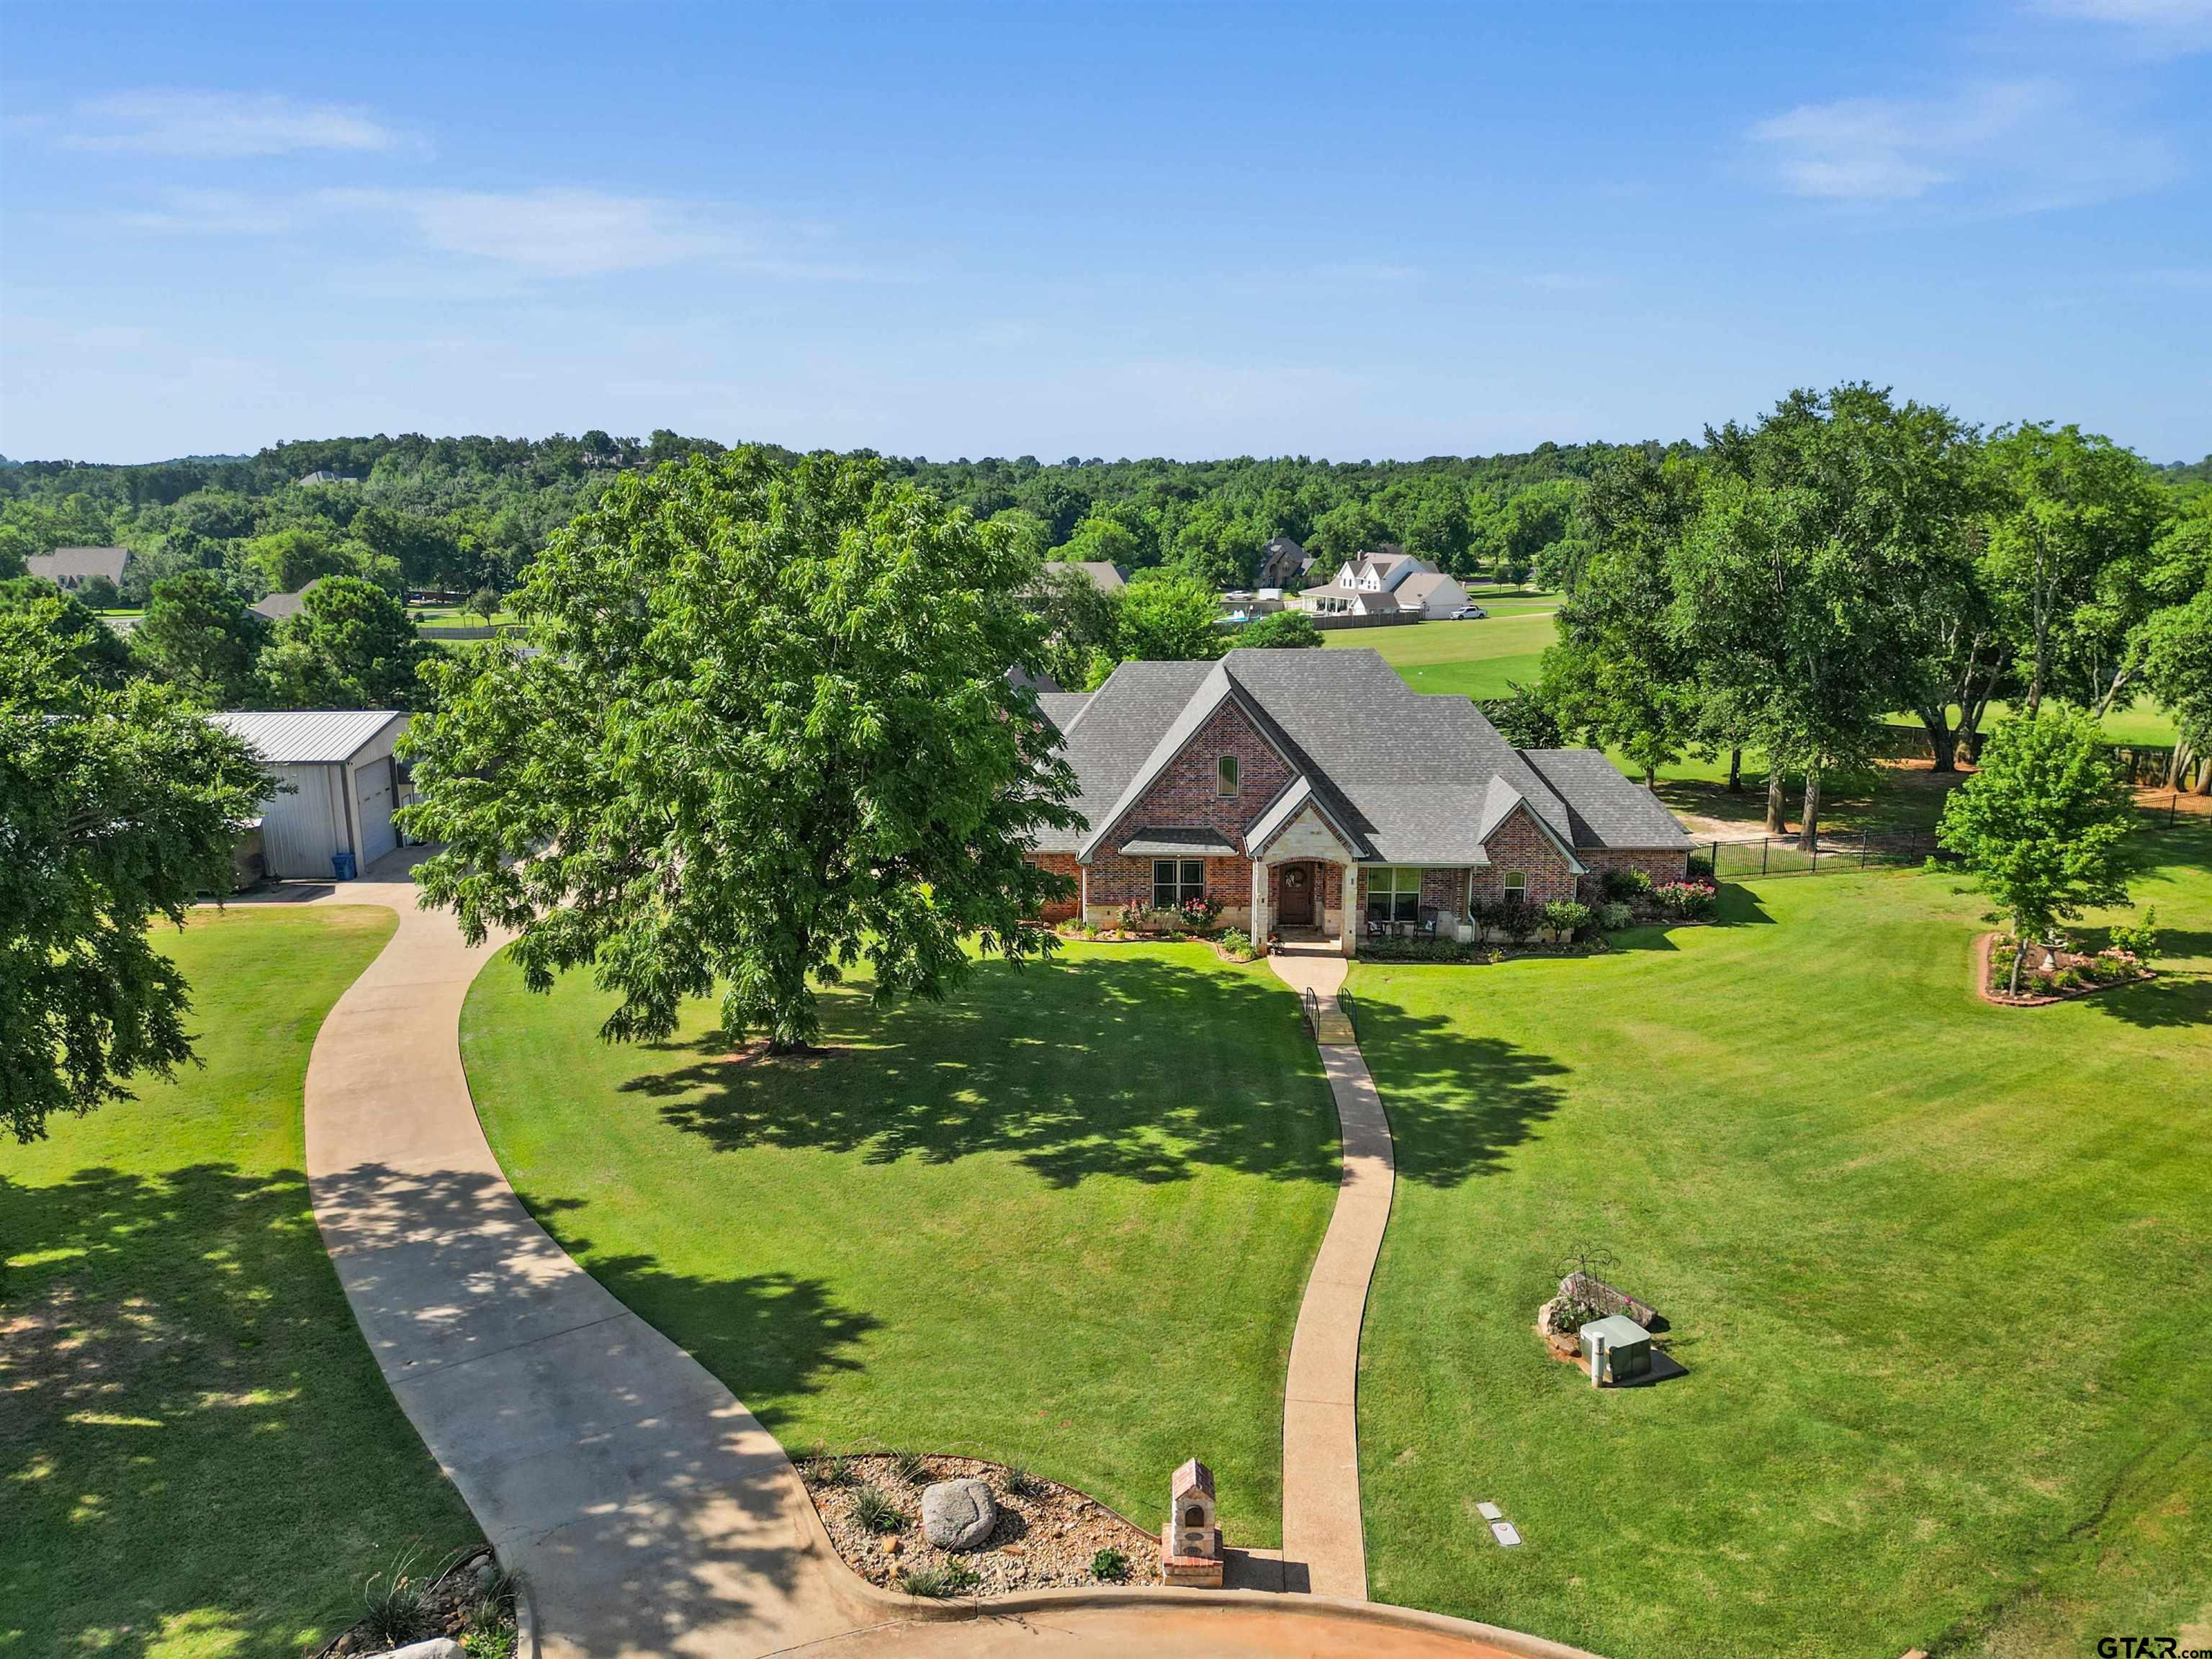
(1300, 789)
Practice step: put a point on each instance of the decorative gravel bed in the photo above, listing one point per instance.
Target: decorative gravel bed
(1047, 1536)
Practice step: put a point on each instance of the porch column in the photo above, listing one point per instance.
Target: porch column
(1347, 914)
(1259, 902)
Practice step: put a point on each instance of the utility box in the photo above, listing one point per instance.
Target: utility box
(1628, 1348)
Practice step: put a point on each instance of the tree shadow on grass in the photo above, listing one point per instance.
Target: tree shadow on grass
(1458, 1103)
(195, 1436)
(2173, 1000)
(1125, 1065)
(192, 1436)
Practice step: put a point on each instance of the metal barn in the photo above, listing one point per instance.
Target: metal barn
(344, 785)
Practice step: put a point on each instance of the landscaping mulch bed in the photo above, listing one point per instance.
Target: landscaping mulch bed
(1044, 1540)
(1989, 985)
(470, 1601)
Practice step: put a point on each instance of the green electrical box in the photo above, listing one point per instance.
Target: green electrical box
(1628, 1348)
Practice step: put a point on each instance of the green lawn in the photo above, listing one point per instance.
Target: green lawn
(202, 1460)
(1467, 658)
(1476, 659)
(1063, 1220)
(1934, 1268)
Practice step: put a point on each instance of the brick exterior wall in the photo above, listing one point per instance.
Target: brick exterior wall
(1183, 797)
(1660, 866)
(1060, 864)
(1116, 881)
(1518, 844)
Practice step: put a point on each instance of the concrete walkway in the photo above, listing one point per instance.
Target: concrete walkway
(1321, 1524)
(646, 1508)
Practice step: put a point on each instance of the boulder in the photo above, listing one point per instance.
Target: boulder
(958, 1515)
(437, 1647)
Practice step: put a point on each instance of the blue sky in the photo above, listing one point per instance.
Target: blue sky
(1351, 231)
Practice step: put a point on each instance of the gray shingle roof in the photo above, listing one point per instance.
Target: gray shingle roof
(1604, 808)
(1407, 776)
(65, 567)
(278, 606)
(1062, 708)
(1107, 577)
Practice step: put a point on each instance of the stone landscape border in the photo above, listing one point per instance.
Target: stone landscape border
(1984, 945)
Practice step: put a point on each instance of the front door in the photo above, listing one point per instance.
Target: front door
(1296, 908)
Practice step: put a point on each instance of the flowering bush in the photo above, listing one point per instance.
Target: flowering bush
(1685, 901)
(1200, 914)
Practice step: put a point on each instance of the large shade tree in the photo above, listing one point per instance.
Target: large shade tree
(768, 732)
(350, 645)
(118, 805)
(199, 635)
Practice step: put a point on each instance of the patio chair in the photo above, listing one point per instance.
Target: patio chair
(1428, 927)
(1377, 928)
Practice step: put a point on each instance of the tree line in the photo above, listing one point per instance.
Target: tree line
(1782, 589)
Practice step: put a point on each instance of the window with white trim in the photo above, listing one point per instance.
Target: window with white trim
(1394, 893)
(1517, 886)
(1228, 776)
(1177, 881)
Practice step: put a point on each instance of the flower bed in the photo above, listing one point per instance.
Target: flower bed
(2050, 973)
(1047, 1537)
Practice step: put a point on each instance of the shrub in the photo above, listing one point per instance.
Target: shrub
(829, 1469)
(911, 1466)
(1685, 901)
(1567, 917)
(1626, 883)
(397, 1604)
(1701, 867)
(1198, 915)
(1612, 918)
(1517, 917)
(2140, 941)
(938, 1582)
(1238, 944)
(874, 1509)
(1019, 1482)
(1110, 1566)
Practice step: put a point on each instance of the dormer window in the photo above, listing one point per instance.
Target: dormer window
(1227, 780)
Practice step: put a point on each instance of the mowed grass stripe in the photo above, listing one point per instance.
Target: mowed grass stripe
(1924, 1258)
(1062, 1219)
(202, 1461)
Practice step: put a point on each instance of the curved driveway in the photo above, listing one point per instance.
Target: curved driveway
(646, 1508)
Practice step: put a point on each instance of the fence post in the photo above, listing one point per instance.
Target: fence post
(1763, 841)
(1815, 868)
(1862, 849)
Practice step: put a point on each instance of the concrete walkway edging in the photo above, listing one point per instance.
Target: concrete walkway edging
(1323, 1527)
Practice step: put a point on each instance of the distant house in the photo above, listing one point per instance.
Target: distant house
(279, 606)
(1388, 581)
(322, 476)
(1283, 564)
(70, 568)
(1107, 578)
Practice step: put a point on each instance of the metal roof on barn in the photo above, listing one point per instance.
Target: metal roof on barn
(309, 737)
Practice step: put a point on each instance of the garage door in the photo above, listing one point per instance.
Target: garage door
(373, 785)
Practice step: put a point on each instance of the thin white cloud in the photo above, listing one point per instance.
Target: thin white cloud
(212, 213)
(2016, 146)
(561, 233)
(220, 125)
(2159, 26)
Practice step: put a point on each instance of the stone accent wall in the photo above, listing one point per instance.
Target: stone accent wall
(1660, 866)
(1060, 864)
(1183, 797)
(1519, 844)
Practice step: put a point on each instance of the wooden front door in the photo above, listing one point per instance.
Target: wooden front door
(1296, 908)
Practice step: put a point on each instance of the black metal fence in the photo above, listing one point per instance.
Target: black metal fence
(1838, 851)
